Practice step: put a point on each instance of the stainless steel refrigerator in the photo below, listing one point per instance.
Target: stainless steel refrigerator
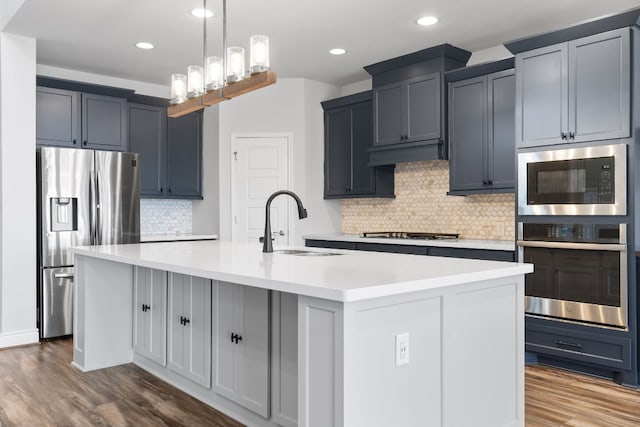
(85, 197)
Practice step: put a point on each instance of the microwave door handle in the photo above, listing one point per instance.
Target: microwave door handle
(570, 245)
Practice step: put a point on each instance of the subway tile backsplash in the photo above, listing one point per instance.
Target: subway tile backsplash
(422, 205)
(159, 216)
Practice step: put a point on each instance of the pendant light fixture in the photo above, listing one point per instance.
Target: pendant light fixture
(221, 78)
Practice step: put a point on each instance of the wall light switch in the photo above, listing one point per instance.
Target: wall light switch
(402, 349)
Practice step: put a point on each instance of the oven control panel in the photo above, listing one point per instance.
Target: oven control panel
(571, 232)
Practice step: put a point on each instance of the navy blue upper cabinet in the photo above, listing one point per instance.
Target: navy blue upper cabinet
(481, 129)
(408, 111)
(574, 91)
(72, 119)
(57, 117)
(184, 156)
(409, 105)
(348, 135)
(148, 138)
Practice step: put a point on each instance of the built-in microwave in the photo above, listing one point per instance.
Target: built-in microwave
(573, 181)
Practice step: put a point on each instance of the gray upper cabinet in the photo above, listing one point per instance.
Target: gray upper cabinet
(71, 119)
(184, 156)
(170, 151)
(104, 122)
(481, 130)
(148, 137)
(574, 91)
(348, 135)
(57, 117)
(408, 111)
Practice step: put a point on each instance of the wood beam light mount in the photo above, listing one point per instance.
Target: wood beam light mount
(229, 91)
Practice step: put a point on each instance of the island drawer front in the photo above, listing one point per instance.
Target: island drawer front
(600, 350)
(330, 244)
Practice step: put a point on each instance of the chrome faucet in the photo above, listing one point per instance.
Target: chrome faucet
(267, 246)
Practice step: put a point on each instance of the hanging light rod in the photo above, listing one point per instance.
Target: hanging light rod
(221, 78)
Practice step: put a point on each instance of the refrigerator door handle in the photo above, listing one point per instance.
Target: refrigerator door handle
(63, 276)
(98, 239)
(92, 210)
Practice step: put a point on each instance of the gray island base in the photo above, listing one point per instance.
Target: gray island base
(348, 340)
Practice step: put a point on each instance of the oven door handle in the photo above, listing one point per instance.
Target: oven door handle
(570, 245)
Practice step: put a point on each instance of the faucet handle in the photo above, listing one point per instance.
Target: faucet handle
(261, 239)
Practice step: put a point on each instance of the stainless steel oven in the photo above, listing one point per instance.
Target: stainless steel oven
(573, 181)
(580, 271)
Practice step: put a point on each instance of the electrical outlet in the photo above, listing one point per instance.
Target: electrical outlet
(402, 349)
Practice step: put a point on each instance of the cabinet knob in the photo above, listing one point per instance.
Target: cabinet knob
(169, 190)
(84, 143)
(161, 189)
(74, 142)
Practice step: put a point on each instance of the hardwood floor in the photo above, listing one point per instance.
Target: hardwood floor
(39, 387)
(556, 398)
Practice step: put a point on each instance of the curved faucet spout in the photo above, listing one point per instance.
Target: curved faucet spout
(267, 245)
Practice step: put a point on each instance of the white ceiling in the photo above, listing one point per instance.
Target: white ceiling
(98, 36)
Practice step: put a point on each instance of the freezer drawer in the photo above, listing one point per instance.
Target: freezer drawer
(56, 302)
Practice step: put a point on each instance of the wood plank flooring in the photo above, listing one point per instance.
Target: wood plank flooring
(39, 387)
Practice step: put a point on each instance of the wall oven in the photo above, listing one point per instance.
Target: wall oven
(573, 181)
(580, 271)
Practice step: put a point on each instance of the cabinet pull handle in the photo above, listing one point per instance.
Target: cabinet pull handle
(169, 190)
(184, 321)
(74, 142)
(161, 189)
(572, 135)
(145, 307)
(563, 135)
(489, 182)
(235, 337)
(569, 344)
(84, 143)
(484, 182)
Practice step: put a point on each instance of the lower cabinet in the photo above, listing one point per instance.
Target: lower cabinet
(484, 254)
(189, 327)
(241, 345)
(150, 314)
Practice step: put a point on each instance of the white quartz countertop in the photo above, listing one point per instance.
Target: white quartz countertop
(351, 276)
(495, 245)
(176, 237)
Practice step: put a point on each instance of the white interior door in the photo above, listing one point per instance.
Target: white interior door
(260, 167)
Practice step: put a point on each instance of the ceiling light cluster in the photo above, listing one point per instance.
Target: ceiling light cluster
(337, 51)
(222, 77)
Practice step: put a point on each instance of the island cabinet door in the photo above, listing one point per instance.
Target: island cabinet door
(189, 316)
(150, 314)
(241, 345)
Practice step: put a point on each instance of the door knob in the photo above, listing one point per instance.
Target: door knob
(278, 233)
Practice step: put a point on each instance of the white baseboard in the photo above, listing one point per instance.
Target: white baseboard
(13, 339)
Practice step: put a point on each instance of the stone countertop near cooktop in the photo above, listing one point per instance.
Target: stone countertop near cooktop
(495, 245)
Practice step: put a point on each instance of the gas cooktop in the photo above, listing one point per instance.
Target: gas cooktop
(409, 235)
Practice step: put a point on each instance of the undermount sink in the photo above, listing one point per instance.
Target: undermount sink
(300, 252)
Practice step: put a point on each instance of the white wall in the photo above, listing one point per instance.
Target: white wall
(356, 87)
(17, 190)
(206, 212)
(282, 108)
(8, 8)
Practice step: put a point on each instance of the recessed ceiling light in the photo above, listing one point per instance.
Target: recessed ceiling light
(202, 13)
(337, 51)
(427, 20)
(144, 45)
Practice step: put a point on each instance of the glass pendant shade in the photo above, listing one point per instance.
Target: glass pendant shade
(178, 88)
(235, 64)
(259, 54)
(195, 81)
(215, 75)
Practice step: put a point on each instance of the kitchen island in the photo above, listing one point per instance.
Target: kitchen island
(352, 338)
